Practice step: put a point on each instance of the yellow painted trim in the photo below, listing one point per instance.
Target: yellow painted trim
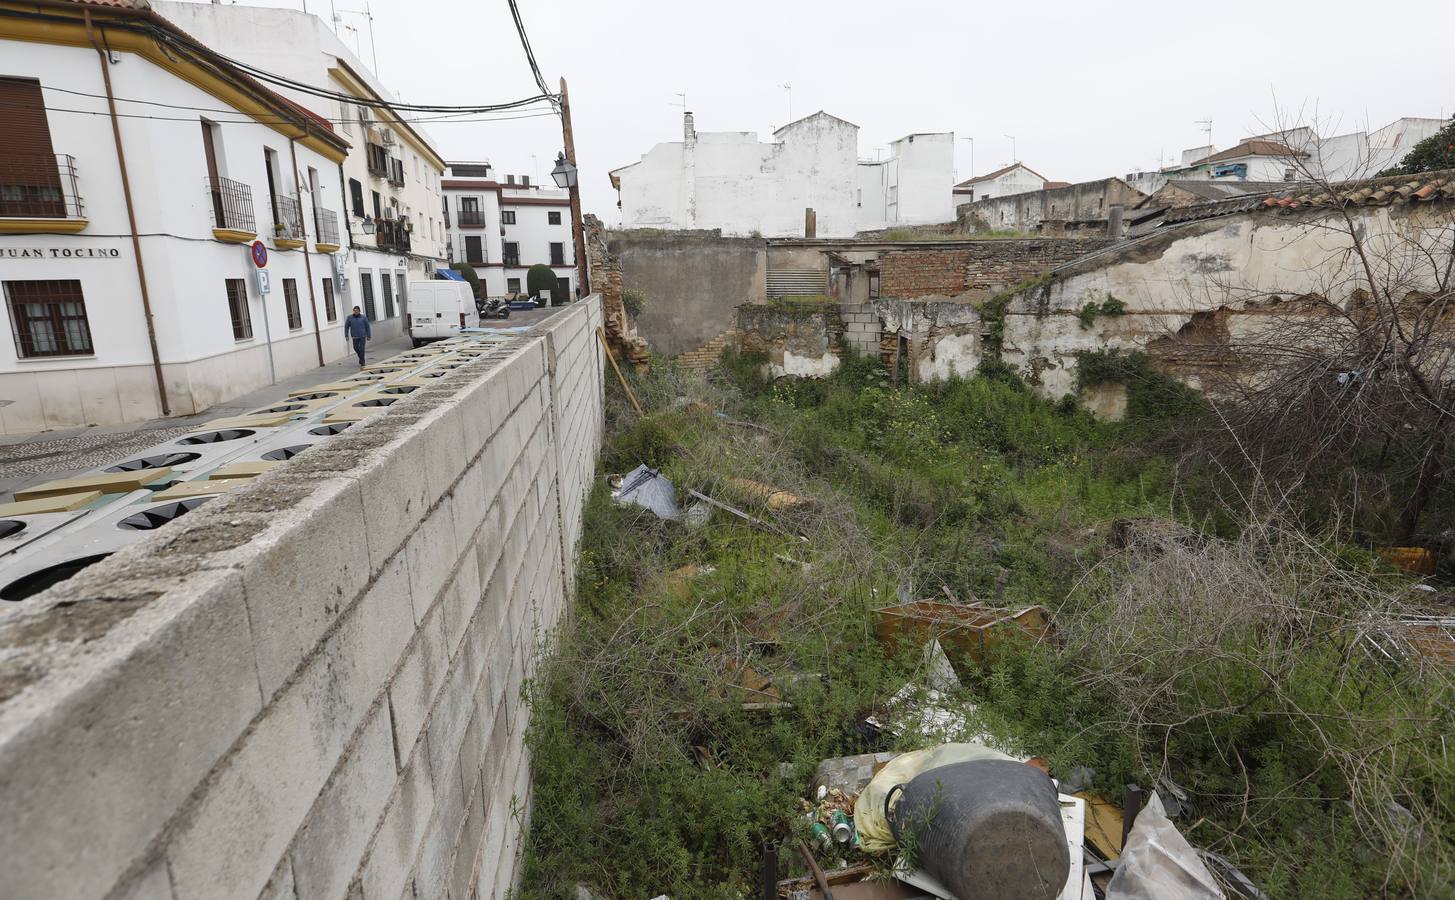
(44, 226)
(326, 248)
(346, 77)
(288, 243)
(241, 97)
(234, 235)
(53, 503)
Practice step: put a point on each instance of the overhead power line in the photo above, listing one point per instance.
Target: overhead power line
(530, 55)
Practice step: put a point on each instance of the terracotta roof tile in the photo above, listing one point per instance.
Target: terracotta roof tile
(1422, 188)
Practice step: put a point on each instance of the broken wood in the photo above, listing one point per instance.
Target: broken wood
(611, 357)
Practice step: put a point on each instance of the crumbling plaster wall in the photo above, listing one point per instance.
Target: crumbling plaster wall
(1190, 286)
(804, 341)
(311, 687)
(692, 280)
(985, 266)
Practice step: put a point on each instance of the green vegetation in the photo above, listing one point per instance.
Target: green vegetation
(1111, 306)
(540, 277)
(468, 272)
(635, 301)
(1221, 649)
(1434, 153)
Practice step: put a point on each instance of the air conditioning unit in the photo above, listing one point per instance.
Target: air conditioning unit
(375, 135)
(389, 213)
(388, 138)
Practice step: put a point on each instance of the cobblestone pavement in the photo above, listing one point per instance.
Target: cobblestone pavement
(82, 451)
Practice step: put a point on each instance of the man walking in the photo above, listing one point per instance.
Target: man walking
(357, 327)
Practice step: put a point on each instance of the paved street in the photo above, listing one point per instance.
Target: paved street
(27, 459)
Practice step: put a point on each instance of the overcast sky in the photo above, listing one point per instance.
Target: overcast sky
(1088, 90)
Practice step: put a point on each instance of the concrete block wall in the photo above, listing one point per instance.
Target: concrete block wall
(311, 688)
(861, 328)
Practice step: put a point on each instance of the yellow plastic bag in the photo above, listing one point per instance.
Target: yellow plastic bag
(869, 820)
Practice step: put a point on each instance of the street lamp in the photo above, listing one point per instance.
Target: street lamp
(564, 173)
(368, 225)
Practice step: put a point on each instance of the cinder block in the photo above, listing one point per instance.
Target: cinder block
(259, 799)
(386, 869)
(418, 679)
(471, 502)
(281, 886)
(91, 770)
(467, 847)
(432, 551)
(328, 849)
(153, 884)
(396, 494)
(300, 574)
(451, 715)
(432, 871)
(444, 447)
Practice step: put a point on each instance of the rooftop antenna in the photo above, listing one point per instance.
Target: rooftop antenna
(1206, 129)
(789, 89)
(367, 14)
(1013, 158)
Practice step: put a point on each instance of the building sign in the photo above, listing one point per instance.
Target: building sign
(59, 253)
(263, 281)
(259, 252)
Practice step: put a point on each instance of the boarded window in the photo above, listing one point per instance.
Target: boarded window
(237, 309)
(30, 181)
(330, 306)
(290, 303)
(48, 318)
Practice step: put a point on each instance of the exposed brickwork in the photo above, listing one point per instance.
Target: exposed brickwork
(980, 265)
(606, 278)
(706, 356)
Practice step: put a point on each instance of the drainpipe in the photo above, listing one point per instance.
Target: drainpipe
(307, 260)
(141, 275)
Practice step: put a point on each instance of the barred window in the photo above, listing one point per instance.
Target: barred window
(290, 302)
(237, 308)
(507, 217)
(330, 308)
(48, 318)
(553, 218)
(388, 287)
(366, 290)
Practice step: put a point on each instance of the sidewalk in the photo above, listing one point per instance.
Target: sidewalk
(27, 459)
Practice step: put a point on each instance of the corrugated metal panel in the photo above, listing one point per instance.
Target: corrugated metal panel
(785, 282)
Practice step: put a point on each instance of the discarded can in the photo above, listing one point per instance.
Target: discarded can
(821, 836)
(843, 828)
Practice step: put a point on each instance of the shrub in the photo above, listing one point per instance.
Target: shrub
(467, 271)
(634, 301)
(541, 277)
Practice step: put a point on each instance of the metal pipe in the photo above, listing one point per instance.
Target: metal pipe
(307, 263)
(103, 57)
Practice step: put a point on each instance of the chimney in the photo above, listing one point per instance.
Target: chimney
(689, 131)
(1114, 221)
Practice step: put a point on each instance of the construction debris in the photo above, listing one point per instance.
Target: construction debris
(1159, 864)
(971, 631)
(775, 499)
(647, 488)
(1415, 560)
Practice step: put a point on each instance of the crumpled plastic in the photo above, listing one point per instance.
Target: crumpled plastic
(875, 835)
(1159, 864)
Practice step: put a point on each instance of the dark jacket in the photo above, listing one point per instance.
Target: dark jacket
(356, 326)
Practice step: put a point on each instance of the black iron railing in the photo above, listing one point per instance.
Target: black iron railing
(325, 222)
(288, 220)
(471, 218)
(392, 235)
(232, 204)
(42, 189)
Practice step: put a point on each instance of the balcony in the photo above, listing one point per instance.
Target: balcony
(392, 235)
(377, 158)
(396, 172)
(42, 196)
(325, 224)
(471, 218)
(232, 210)
(287, 223)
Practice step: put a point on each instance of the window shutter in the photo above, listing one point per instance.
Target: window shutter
(29, 179)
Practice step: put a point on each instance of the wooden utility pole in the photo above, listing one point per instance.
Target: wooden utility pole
(583, 281)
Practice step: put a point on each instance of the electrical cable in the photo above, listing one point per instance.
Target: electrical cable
(265, 120)
(525, 43)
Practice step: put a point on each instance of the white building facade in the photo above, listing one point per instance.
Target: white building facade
(1295, 154)
(743, 186)
(124, 309)
(387, 190)
(501, 229)
(1016, 178)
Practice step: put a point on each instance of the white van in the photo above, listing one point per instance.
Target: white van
(439, 309)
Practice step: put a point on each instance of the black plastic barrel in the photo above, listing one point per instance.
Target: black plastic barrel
(987, 830)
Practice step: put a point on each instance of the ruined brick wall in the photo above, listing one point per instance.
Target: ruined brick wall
(798, 340)
(977, 265)
(607, 279)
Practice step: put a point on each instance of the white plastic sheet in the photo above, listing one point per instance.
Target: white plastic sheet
(1159, 864)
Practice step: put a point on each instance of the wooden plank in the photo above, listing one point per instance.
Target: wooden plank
(105, 482)
(53, 503)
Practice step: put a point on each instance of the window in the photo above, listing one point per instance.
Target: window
(553, 218)
(470, 204)
(511, 252)
(873, 284)
(512, 285)
(48, 318)
(563, 288)
(356, 197)
(525, 180)
(237, 309)
(558, 253)
(366, 290)
(388, 287)
(378, 213)
(1289, 174)
(270, 164)
(290, 304)
(400, 292)
(510, 179)
(507, 217)
(474, 253)
(30, 179)
(330, 307)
